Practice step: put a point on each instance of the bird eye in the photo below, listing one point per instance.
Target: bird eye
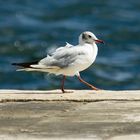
(89, 36)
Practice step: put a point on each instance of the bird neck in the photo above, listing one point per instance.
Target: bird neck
(81, 42)
(84, 43)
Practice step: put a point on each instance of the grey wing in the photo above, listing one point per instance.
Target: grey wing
(61, 58)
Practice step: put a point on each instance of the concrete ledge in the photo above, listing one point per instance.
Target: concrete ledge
(76, 95)
(83, 114)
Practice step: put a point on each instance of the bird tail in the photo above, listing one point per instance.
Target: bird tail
(25, 66)
(35, 66)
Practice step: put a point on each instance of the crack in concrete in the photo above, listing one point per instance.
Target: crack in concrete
(66, 100)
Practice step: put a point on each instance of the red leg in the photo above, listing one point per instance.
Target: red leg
(62, 86)
(86, 83)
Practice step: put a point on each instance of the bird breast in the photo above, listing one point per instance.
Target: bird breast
(91, 53)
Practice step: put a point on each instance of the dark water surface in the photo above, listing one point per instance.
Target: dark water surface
(30, 28)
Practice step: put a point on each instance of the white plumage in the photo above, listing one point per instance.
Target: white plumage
(68, 60)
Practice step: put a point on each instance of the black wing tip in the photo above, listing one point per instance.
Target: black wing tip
(14, 64)
(25, 65)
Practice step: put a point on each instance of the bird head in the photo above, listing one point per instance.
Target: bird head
(88, 37)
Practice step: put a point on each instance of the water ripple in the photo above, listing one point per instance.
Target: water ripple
(30, 29)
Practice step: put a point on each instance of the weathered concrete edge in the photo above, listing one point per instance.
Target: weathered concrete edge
(76, 95)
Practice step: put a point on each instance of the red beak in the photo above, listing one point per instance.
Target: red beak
(99, 41)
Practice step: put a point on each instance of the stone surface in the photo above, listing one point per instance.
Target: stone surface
(102, 115)
(76, 95)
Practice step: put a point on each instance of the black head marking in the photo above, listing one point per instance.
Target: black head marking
(83, 36)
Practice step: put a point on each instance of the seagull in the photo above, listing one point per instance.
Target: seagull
(69, 60)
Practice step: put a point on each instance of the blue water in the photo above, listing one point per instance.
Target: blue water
(31, 28)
